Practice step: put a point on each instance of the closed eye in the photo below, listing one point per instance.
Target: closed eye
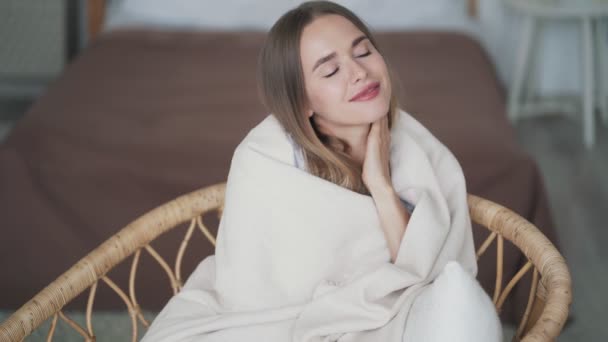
(332, 73)
(359, 56)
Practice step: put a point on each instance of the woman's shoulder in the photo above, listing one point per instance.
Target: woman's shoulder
(268, 138)
(406, 122)
(268, 128)
(436, 150)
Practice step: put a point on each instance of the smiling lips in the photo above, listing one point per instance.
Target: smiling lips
(368, 93)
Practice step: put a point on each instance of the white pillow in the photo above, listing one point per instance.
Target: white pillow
(453, 308)
(260, 15)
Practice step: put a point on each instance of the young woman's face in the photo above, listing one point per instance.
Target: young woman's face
(346, 79)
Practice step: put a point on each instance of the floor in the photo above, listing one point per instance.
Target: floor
(577, 182)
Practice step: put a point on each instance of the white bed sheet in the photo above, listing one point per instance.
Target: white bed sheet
(233, 15)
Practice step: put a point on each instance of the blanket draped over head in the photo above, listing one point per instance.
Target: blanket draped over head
(299, 258)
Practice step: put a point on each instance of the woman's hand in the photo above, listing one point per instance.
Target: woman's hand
(376, 166)
(394, 218)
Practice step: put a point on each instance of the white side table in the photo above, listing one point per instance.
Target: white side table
(592, 15)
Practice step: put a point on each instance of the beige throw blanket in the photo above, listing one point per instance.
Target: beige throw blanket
(302, 259)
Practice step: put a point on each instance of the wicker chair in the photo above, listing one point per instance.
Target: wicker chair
(544, 317)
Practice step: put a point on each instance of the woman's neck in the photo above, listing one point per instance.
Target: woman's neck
(356, 138)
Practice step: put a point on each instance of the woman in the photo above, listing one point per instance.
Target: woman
(337, 103)
(344, 218)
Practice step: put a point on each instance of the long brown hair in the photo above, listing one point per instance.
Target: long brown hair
(281, 85)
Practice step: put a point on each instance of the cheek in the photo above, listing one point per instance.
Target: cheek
(380, 71)
(324, 95)
(379, 67)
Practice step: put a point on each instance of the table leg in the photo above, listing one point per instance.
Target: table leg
(531, 79)
(601, 44)
(587, 71)
(521, 66)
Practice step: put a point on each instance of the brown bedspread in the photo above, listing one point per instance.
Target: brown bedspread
(141, 117)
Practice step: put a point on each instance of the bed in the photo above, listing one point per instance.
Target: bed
(144, 115)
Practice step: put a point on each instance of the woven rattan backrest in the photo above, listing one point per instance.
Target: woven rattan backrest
(543, 319)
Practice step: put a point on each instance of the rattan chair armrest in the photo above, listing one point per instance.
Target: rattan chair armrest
(102, 259)
(542, 253)
(148, 227)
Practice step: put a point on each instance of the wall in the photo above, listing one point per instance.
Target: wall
(558, 52)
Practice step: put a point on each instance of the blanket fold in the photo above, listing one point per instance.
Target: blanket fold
(299, 258)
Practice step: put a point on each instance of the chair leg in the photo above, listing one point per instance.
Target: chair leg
(588, 78)
(521, 66)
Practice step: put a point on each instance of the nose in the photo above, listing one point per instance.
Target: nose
(358, 71)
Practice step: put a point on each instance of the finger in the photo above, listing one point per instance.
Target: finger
(375, 125)
(385, 123)
(374, 143)
(383, 130)
(374, 130)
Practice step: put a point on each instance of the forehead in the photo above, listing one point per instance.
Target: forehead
(326, 34)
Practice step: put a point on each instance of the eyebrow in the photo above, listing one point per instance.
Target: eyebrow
(333, 54)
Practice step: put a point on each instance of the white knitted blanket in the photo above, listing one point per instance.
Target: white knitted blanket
(299, 258)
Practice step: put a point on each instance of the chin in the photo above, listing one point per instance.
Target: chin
(374, 112)
(369, 117)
